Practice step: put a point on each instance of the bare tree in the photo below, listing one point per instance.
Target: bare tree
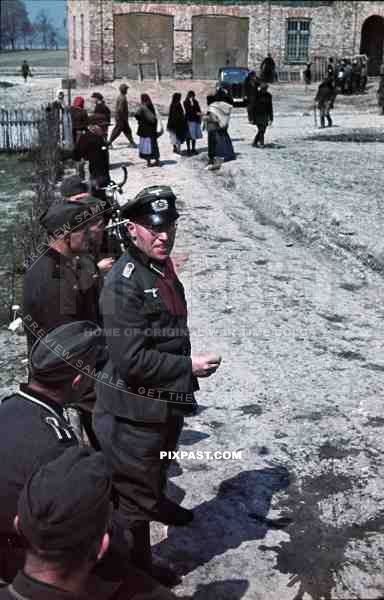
(14, 22)
(28, 33)
(43, 26)
(53, 38)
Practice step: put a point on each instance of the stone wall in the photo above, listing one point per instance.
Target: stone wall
(335, 29)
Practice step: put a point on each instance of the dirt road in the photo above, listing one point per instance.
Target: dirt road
(283, 251)
(282, 258)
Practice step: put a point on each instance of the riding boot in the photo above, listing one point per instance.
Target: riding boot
(141, 553)
(322, 122)
(329, 121)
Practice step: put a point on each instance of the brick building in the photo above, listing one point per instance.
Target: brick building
(109, 39)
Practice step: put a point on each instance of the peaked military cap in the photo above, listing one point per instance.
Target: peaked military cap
(155, 205)
(67, 501)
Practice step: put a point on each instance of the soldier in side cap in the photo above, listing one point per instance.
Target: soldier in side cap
(143, 306)
(62, 520)
(57, 289)
(34, 428)
(74, 189)
(62, 283)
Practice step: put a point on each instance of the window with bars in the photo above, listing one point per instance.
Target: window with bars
(82, 37)
(74, 41)
(297, 45)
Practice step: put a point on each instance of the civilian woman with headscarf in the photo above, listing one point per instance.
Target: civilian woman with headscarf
(177, 123)
(193, 116)
(79, 118)
(148, 131)
(220, 148)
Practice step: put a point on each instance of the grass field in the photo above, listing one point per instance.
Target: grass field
(36, 58)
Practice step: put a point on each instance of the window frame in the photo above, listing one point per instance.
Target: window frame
(74, 38)
(82, 44)
(300, 34)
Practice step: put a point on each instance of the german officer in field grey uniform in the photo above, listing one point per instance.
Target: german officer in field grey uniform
(148, 384)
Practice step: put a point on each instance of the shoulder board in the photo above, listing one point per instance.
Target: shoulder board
(63, 432)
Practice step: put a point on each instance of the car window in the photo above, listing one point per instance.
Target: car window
(234, 75)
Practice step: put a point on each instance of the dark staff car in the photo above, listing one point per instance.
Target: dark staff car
(233, 79)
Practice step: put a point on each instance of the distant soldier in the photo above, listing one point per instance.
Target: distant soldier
(121, 116)
(325, 98)
(25, 70)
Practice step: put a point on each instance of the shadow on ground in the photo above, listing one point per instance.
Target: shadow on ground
(316, 553)
(235, 515)
(231, 589)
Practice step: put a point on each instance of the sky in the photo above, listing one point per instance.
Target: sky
(56, 10)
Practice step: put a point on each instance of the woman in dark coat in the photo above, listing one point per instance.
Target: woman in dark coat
(193, 116)
(147, 131)
(251, 88)
(177, 123)
(262, 113)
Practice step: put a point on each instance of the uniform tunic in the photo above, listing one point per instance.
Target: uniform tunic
(148, 383)
(136, 587)
(33, 431)
(57, 290)
(28, 588)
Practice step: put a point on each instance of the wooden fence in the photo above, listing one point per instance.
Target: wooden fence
(23, 129)
(19, 129)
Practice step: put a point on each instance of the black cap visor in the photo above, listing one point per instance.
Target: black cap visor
(156, 218)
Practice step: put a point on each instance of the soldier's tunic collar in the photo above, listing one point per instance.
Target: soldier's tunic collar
(156, 267)
(28, 588)
(42, 400)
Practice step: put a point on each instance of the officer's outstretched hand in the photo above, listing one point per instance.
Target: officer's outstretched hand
(203, 365)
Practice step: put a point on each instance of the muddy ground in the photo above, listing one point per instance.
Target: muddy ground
(283, 267)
